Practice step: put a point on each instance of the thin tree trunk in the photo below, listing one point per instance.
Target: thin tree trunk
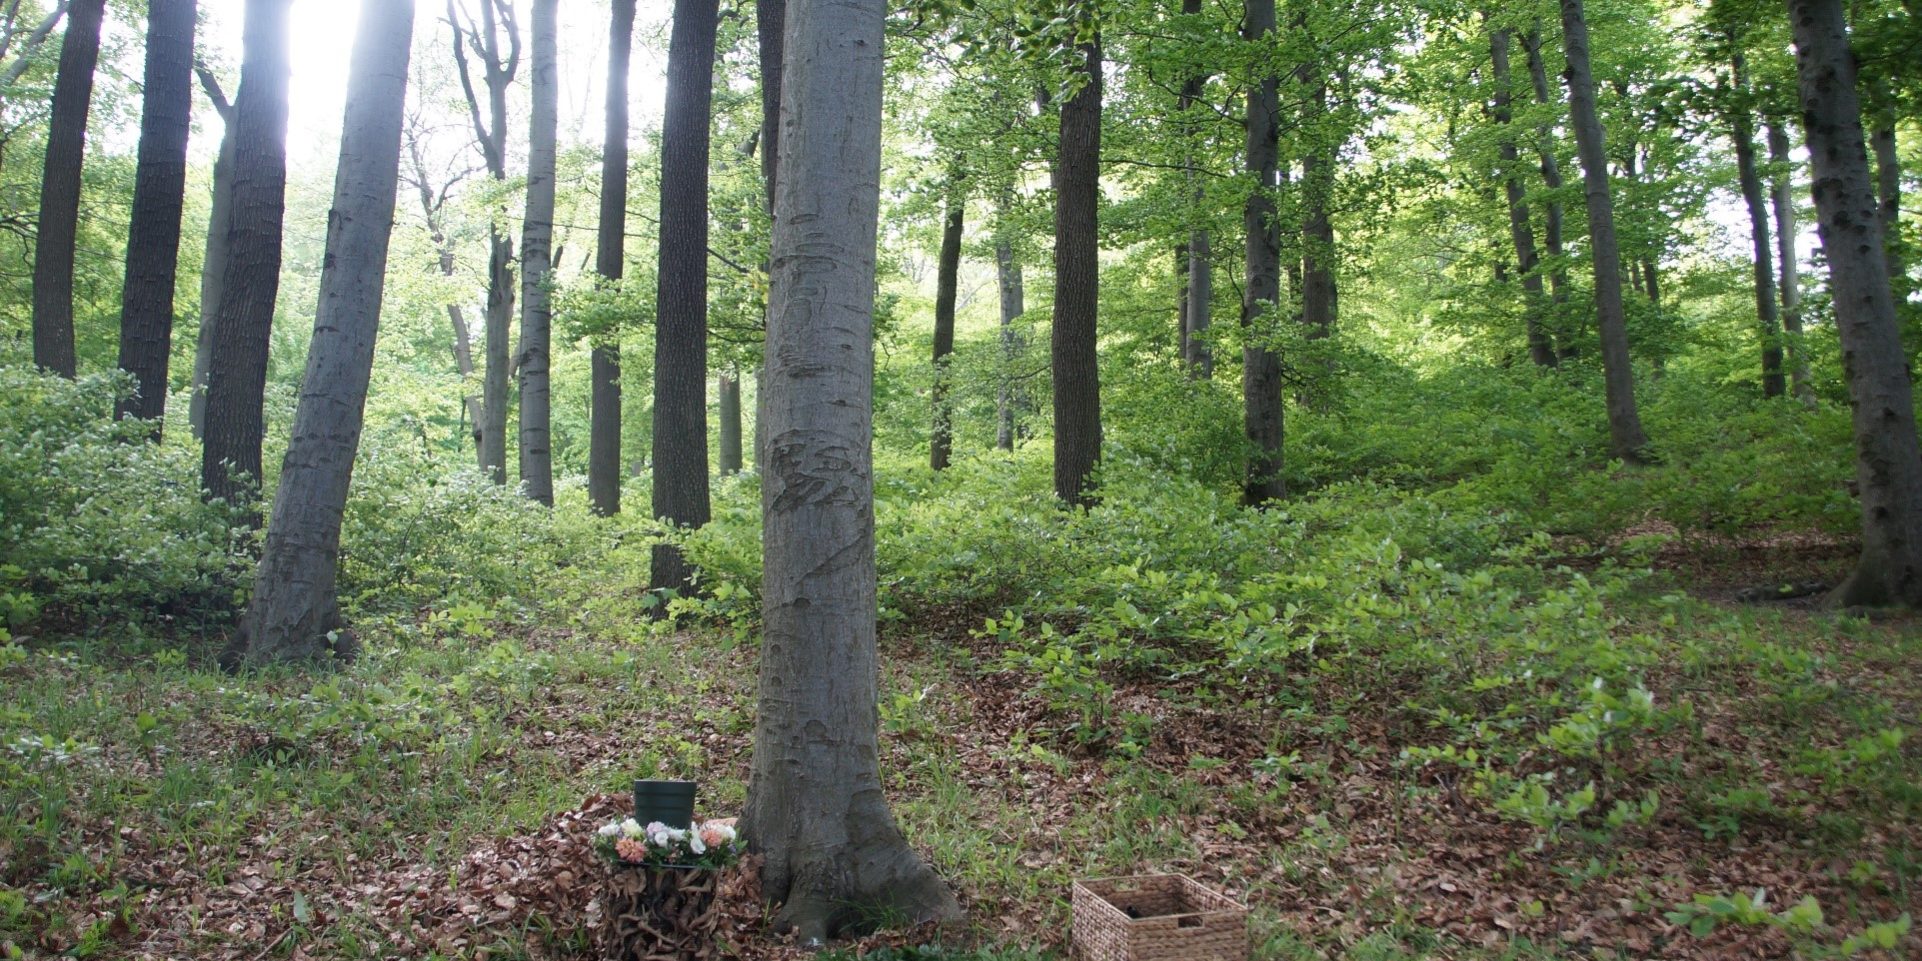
(294, 608)
(1552, 181)
(1888, 457)
(1261, 296)
(17, 67)
(1318, 291)
(1181, 301)
(1007, 399)
(816, 809)
(243, 323)
(941, 442)
(1077, 371)
(1198, 272)
(604, 427)
(1783, 201)
(1521, 229)
(1201, 294)
(680, 332)
(213, 266)
(159, 194)
(497, 69)
(1767, 312)
(770, 20)
(728, 404)
(430, 207)
(60, 190)
(1627, 440)
(537, 242)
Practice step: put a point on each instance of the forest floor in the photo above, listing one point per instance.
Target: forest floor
(435, 800)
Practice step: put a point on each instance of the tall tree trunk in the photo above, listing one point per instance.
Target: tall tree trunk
(816, 809)
(1521, 228)
(770, 22)
(1624, 423)
(1261, 297)
(1888, 457)
(1551, 180)
(1198, 272)
(243, 323)
(159, 193)
(604, 427)
(537, 243)
(941, 442)
(1318, 290)
(1767, 312)
(482, 37)
(1782, 200)
(294, 606)
(1007, 398)
(727, 396)
(213, 266)
(1181, 301)
(60, 190)
(680, 331)
(1077, 281)
(430, 208)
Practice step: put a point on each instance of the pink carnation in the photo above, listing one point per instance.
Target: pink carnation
(630, 850)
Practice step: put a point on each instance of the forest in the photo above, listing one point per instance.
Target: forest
(1438, 478)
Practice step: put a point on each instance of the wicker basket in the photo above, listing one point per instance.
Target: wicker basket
(1157, 917)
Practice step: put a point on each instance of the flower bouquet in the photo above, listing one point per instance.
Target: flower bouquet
(657, 901)
(709, 844)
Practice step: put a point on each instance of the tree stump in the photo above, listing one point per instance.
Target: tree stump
(659, 914)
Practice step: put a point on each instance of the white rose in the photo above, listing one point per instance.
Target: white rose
(610, 829)
(694, 844)
(631, 828)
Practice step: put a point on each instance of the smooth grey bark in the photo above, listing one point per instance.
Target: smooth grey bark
(1782, 200)
(1181, 313)
(1521, 228)
(1007, 270)
(243, 323)
(728, 411)
(947, 283)
(159, 194)
(294, 613)
(537, 247)
(1768, 315)
(59, 220)
(483, 37)
(1199, 356)
(1626, 438)
(680, 495)
(817, 809)
(29, 46)
(1077, 286)
(1261, 295)
(1888, 457)
(1551, 166)
(1318, 253)
(610, 260)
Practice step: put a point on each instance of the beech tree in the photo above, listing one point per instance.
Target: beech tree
(60, 190)
(1077, 278)
(22, 45)
(213, 262)
(610, 261)
(1888, 456)
(1782, 202)
(680, 325)
(243, 321)
(294, 613)
(537, 248)
(1611, 321)
(941, 441)
(1742, 131)
(1261, 295)
(492, 38)
(159, 193)
(1521, 228)
(816, 807)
